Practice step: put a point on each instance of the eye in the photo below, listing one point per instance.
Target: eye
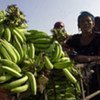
(61, 26)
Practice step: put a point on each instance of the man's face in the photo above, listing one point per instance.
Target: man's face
(59, 25)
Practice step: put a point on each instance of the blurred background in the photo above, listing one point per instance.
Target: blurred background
(42, 14)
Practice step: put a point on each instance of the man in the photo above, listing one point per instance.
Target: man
(59, 33)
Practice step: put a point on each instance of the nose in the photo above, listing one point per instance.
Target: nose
(86, 22)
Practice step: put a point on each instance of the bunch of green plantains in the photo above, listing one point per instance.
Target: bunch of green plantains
(28, 59)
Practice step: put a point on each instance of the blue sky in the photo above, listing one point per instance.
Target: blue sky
(42, 14)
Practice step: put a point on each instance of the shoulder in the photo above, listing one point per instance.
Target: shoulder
(74, 37)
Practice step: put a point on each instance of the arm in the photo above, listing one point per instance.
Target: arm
(85, 59)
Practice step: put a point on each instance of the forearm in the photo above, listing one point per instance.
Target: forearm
(82, 58)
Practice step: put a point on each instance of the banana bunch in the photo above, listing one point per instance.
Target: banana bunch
(41, 40)
(8, 32)
(19, 47)
(60, 35)
(69, 75)
(2, 16)
(16, 85)
(21, 84)
(12, 22)
(13, 79)
(28, 61)
(64, 89)
(8, 72)
(48, 64)
(5, 77)
(66, 65)
(11, 64)
(51, 48)
(57, 52)
(41, 44)
(30, 50)
(63, 62)
(15, 82)
(29, 56)
(19, 33)
(35, 34)
(32, 82)
(25, 53)
(9, 52)
(10, 68)
(15, 17)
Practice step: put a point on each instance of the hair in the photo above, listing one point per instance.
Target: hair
(59, 23)
(83, 14)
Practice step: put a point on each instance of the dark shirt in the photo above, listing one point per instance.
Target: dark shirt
(91, 49)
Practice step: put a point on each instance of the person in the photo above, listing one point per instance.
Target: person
(59, 33)
(97, 25)
(84, 47)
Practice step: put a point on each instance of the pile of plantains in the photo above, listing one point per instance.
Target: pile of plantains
(31, 61)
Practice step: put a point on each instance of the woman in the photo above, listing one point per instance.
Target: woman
(85, 47)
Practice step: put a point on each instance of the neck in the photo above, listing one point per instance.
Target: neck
(87, 34)
(86, 38)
